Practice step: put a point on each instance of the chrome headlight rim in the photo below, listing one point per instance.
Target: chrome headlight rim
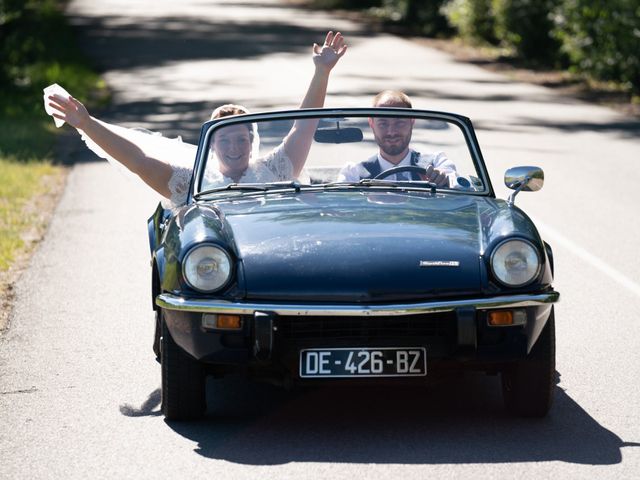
(198, 246)
(535, 250)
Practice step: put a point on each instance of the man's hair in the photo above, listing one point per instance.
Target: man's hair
(228, 110)
(392, 96)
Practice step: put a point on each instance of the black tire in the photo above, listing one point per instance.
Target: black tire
(528, 386)
(183, 381)
(157, 335)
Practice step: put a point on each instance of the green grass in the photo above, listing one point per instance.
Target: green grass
(21, 182)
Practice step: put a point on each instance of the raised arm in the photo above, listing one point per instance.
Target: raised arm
(298, 142)
(152, 171)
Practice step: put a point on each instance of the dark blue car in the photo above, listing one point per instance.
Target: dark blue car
(356, 270)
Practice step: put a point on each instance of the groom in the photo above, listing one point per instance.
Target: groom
(393, 136)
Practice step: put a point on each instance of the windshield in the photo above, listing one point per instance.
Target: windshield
(361, 149)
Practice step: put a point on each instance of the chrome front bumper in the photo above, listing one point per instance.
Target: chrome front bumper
(174, 302)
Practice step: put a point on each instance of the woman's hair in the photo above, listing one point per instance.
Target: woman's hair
(227, 110)
(230, 109)
(395, 97)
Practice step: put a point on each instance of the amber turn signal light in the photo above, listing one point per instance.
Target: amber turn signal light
(229, 322)
(224, 322)
(501, 318)
(507, 318)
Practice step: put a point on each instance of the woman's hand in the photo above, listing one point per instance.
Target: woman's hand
(298, 142)
(332, 50)
(70, 110)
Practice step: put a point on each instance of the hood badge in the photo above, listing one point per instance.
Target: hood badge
(439, 263)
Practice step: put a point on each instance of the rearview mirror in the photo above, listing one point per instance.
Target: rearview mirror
(523, 179)
(338, 135)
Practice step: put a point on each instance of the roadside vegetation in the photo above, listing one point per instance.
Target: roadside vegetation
(37, 47)
(593, 41)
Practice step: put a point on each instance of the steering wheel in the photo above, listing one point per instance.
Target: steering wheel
(404, 168)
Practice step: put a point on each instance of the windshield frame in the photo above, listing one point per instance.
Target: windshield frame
(462, 122)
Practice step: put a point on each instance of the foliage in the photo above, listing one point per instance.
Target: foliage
(527, 26)
(597, 37)
(602, 38)
(426, 17)
(523, 26)
(473, 19)
(417, 16)
(38, 48)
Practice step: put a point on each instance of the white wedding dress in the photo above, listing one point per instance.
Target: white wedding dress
(273, 167)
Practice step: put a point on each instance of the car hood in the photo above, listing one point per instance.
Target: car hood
(358, 246)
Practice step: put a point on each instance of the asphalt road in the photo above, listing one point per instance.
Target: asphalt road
(79, 388)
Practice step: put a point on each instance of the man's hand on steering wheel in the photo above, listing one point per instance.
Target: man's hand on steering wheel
(435, 176)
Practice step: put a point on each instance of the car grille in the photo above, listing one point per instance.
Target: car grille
(365, 329)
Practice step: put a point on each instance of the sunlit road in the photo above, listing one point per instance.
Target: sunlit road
(79, 387)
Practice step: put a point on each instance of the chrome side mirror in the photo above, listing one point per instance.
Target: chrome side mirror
(523, 179)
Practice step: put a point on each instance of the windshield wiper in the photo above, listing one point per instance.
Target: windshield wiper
(232, 186)
(296, 185)
(375, 182)
(250, 187)
(365, 182)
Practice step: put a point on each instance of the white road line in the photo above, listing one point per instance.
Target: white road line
(556, 238)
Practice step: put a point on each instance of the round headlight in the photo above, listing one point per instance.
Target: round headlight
(515, 262)
(206, 268)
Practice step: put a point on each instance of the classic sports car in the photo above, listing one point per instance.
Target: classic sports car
(353, 272)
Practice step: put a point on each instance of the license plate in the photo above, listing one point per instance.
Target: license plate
(363, 362)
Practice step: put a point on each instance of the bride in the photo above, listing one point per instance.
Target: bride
(153, 159)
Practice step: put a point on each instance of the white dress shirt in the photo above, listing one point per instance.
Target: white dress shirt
(354, 172)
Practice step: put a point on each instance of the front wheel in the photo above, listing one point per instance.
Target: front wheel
(183, 381)
(528, 386)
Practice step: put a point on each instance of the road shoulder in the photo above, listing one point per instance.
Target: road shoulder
(42, 207)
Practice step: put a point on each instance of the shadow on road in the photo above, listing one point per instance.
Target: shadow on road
(459, 421)
(155, 41)
(149, 407)
(125, 43)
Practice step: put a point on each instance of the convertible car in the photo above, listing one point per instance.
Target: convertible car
(353, 272)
